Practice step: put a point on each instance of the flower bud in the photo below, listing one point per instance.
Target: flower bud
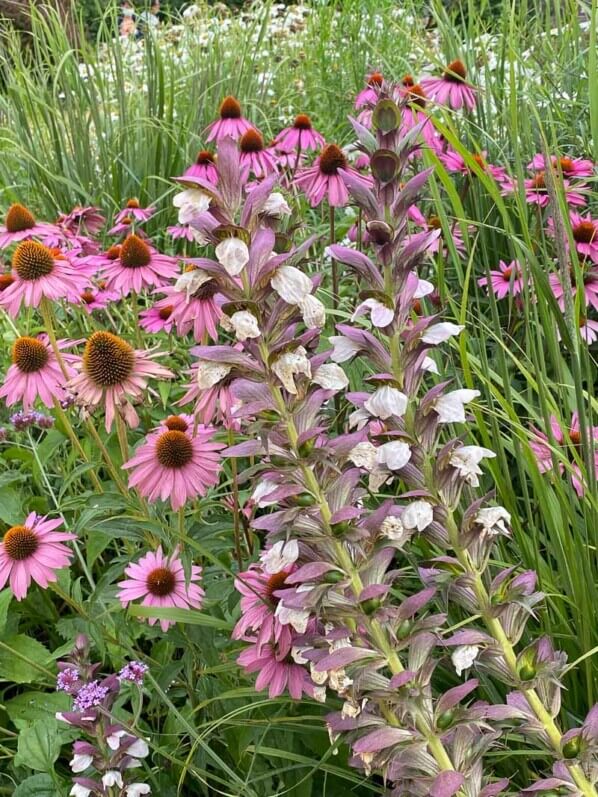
(370, 605)
(572, 748)
(445, 719)
(527, 672)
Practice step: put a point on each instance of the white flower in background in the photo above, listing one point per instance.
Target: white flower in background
(137, 790)
(394, 455)
(233, 254)
(343, 348)
(393, 529)
(289, 364)
(282, 554)
(313, 311)
(330, 376)
(451, 407)
(190, 202)
(364, 455)
(276, 205)
(317, 677)
(297, 654)
(245, 325)
(79, 763)
(424, 288)
(139, 749)
(380, 314)
(112, 778)
(417, 515)
(210, 373)
(291, 284)
(463, 657)
(386, 402)
(80, 791)
(320, 694)
(296, 618)
(494, 520)
(439, 333)
(466, 460)
(191, 281)
(263, 489)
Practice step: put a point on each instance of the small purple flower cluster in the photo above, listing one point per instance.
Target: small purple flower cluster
(25, 420)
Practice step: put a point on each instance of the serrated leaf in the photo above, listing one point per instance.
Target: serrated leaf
(36, 786)
(39, 745)
(23, 659)
(31, 706)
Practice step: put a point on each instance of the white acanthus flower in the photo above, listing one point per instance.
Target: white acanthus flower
(313, 312)
(289, 364)
(296, 618)
(191, 281)
(316, 676)
(463, 657)
(276, 205)
(386, 402)
(424, 288)
(439, 333)
(494, 520)
(331, 376)
(343, 348)
(380, 314)
(417, 515)
(112, 778)
(190, 202)
(393, 529)
(79, 762)
(79, 790)
(429, 365)
(364, 455)
(451, 407)
(245, 325)
(297, 654)
(139, 749)
(210, 373)
(319, 694)
(394, 455)
(263, 489)
(233, 254)
(291, 284)
(281, 555)
(466, 460)
(137, 790)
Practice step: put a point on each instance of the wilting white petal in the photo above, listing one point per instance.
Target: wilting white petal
(297, 654)
(466, 460)
(463, 657)
(320, 694)
(191, 203)
(385, 402)
(494, 520)
(276, 205)
(330, 376)
(395, 455)
(317, 677)
(233, 254)
(359, 418)
(281, 555)
(210, 373)
(313, 311)
(245, 325)
(290, 363)
(263, 489)
(343, 348)
(392, 527)
(380, 314)
(296, 618)
(439, 333)
(191, 281)
(79, 763)
(363, 455)
(417, 515)
(451, 406)
(291, 284)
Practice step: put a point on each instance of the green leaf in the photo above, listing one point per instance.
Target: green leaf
(23, 660)
(180, 616)
(36, 786)
(11, 510)
(39, 745)
(31, 706)
(5, 599)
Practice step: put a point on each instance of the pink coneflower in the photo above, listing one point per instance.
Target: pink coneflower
(570, 167)
(255, 158)
(431, 223)
(95, 297)
(231, 122)
(35, 372)
(133, 210)
(507, 280)
(160, 581)
(413, 114)
(542, 449)
(588, 329)
(20, 224)
(215, 404)
(176, 463)
(138, 265)
(111, 374)
(536, 192)
(198, 311)
(33, 551)
(300, 136)
(82, 220)
(204, 167)
(325, 178)
(275, 673)
(590, 288)
(585, 234)
(157, 319)
(39, 273)
(454, 162)
(369, 95)
(452, 88)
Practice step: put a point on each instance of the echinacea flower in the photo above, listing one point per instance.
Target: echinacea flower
(38, 273)
(204, 167)
(133, 210)
(96, 297)
(454, 162)
(300, 136)
(216, 403)
(432, 223)
(138, 265)
(585, 234)
(452, 88)
(82, 220)
(33, 551)
(160, 581)
(412, 114)
(570, 167)
(588, 329)
(277, 674)
(507, 280)
(157, 319)
(536, 192)
(193, 303)
(590, 288)
(230, 122)
(178, 462)
(20, 224)
(543, 449)
(111, 374)
(369, 95)
(255, 158)
(326, 178)
(35, 372)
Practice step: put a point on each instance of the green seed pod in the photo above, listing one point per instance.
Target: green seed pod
(333, 577)
(304, 499)
(527, 672)
(341, 528)
(370, 605)
(404, 629)
(445, 719)
(307, 447)
(572, 748)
